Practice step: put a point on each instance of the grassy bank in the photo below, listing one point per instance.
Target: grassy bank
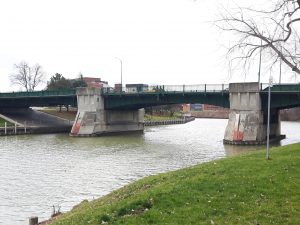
(242, 190)
(2, 123)
(149, 117)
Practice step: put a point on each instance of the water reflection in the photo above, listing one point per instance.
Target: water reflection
(39, 171)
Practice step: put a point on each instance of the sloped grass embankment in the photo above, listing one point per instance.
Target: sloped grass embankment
(241, 190)
(3, 121)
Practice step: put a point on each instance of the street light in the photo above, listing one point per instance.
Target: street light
(121, 72)
(268, 125)
(259, 66)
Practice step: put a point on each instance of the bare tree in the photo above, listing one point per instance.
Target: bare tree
(272, 30)
(26, 76)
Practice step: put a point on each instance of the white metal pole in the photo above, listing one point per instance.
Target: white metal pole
(121, 62)
(259, 66)
(280, 62)
(268, 124)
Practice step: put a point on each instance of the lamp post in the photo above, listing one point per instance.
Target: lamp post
(259, 66)
(121, 62)
(268, 124)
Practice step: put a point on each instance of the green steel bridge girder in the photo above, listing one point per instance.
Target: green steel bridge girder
(38, 98)
(37, 101)
(281, 100)
(142, 100)
(282, 97)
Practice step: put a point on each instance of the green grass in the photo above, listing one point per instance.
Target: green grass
(240, 190)
(2, 123)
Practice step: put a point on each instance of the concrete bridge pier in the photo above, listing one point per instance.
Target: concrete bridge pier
(247, 122)
(92, 119)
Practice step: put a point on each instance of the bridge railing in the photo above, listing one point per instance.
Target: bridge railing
(169, 88)
(62, 92)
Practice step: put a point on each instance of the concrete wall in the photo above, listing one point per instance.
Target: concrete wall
(92, 119)
(210, 114)
(290, 114)
(247, 121)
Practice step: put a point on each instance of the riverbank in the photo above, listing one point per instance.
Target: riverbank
(29, 121)
(240, 190)
(168, 121)
(156, 120)
(16, 130)
(4, 122)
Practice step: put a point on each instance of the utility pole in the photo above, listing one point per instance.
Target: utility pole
(259, 68)
(268, 124)
(121, 73)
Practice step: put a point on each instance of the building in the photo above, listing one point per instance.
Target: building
(134, 88)
(197, 107)
(206, 107)
(202, 107)
(186, 108)
(95, 82)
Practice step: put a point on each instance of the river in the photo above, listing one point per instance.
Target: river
(39, 171)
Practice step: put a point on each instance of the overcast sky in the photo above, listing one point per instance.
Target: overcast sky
(159, 41)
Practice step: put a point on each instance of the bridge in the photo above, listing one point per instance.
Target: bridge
(283, 96)
(106, 110)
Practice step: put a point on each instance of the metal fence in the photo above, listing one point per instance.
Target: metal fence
(62, 92)
(290, 87)
(169, 88)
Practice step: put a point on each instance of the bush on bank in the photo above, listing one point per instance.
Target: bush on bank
(241, 190)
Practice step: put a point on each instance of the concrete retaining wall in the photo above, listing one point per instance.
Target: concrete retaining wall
(210, 114)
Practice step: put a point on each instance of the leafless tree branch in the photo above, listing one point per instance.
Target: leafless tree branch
(264, 29)
(26, 76)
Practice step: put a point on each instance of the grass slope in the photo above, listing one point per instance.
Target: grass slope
(2, 123)
(241, 190)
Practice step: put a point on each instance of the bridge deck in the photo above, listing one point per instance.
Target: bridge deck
(283, 96)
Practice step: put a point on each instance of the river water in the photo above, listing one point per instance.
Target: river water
(39, 171)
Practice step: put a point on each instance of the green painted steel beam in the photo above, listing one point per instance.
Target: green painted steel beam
(281, 100)
(38, 98)
(142, 100)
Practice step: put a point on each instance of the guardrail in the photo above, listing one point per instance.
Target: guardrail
(62, 92)
(169, 88)
(286, 87)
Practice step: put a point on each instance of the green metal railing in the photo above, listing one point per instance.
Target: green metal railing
(62, 92)
(288, 87)
(169, 89)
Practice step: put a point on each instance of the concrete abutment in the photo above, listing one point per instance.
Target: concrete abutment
(92, 119)
(247, 123)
